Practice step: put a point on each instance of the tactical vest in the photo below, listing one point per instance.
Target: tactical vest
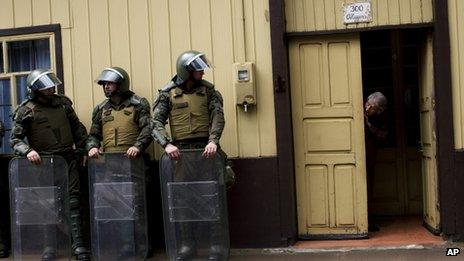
(189, 116)
(120, 131)
(50, 130)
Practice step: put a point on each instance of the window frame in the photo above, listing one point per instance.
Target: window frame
(6, 74)
(53, 33)
(37, 32)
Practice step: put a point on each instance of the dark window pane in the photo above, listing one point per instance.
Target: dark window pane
(5, 98)
(1, 58)
(21, 89)
(6, 148)
(5, 113)
(29, 55)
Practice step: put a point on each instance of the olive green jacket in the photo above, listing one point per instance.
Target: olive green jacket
(141, 118)
(163, 106)
(24, 115)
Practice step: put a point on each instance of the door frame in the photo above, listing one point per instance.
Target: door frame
(447, 178)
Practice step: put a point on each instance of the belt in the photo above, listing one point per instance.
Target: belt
(191, 144)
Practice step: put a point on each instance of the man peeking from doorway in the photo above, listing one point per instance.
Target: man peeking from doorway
(375, 133)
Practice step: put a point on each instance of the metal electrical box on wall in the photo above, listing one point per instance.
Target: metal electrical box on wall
(244, 84)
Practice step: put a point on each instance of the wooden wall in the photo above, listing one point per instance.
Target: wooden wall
(323, 15)
(146, 36)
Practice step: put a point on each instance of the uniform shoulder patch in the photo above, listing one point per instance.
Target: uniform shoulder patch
(23, 109)
(207, 84)
(23, 103)
(64, 99)
(136, 100)
(168, 87)
(102, 104)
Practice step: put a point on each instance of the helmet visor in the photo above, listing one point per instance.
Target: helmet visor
(45, 81)
(199, 63)
(110, 75)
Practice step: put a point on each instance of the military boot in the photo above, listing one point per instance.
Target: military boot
(79, 250)
(49, 251)
(3, 250)
(187, 249)
(217, 251)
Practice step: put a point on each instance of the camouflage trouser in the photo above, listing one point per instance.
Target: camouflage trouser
(73, 201)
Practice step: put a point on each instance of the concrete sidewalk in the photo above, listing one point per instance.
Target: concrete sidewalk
(412, 252)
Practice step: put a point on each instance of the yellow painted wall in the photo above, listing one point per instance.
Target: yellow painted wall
(456, 26)
(320, 15)
(146, 36)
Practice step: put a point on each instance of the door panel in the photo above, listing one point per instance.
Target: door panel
(428, 139)
(328, 135)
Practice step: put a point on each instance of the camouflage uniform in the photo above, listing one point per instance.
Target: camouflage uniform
(196, 136)
(163, 107)
(116, 128)
(141, 118)
(31, 122)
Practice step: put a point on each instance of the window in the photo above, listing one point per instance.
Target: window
(19, 55)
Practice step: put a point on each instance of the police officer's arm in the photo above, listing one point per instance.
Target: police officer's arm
(216, 115)
(143, 120)
(79, 131)
(161, 110)
(22, 117)
(95, 134)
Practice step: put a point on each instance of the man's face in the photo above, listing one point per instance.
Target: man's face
(47, 92)
(46, 95)
(197, 75)
(109, 88)
(371, 108)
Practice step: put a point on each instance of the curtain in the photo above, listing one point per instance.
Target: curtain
(29, 55)
(5, 113)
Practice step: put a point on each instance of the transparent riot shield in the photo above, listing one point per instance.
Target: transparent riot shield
(39, 209)
(117, 207)
(195, 206)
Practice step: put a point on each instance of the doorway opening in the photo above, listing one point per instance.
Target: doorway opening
(398, 64)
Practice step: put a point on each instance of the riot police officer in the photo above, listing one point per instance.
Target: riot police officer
(121, 124)
(195, 112)
(188, 94)
(52, 127)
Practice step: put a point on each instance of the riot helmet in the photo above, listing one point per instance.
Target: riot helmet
(115, 75)
(190, 61)
(40, 79)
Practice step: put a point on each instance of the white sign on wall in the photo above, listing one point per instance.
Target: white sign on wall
(357, 13)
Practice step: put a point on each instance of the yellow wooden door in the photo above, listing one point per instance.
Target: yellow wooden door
(428, 139)
(328, 120)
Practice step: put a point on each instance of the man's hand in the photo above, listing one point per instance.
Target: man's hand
(132, 152)
(210, 150)
(172, 151)
(94, 152)
(366, 121)
(34, 157)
